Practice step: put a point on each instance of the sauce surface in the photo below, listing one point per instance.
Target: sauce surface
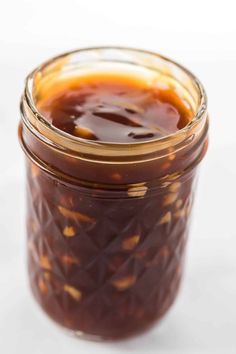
(114, 109)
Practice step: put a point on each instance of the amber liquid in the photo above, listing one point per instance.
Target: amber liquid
(106, 263)
(115, 110)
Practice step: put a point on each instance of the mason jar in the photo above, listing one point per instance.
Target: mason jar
(107, 223)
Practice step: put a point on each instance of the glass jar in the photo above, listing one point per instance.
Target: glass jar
(107, 223)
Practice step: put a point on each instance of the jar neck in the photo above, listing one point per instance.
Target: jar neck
(152, 68)
(114, 153)
(63, 152)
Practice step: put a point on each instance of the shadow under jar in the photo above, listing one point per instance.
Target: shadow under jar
(107, 222)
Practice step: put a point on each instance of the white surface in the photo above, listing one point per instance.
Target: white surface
(201, 35)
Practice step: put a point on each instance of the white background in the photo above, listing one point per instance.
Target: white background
(202, 36)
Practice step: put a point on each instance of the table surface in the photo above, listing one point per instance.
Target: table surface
(203, 319)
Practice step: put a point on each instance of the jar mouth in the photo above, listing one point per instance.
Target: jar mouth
(61, 140)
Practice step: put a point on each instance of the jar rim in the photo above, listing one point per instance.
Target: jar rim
(53, 136)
